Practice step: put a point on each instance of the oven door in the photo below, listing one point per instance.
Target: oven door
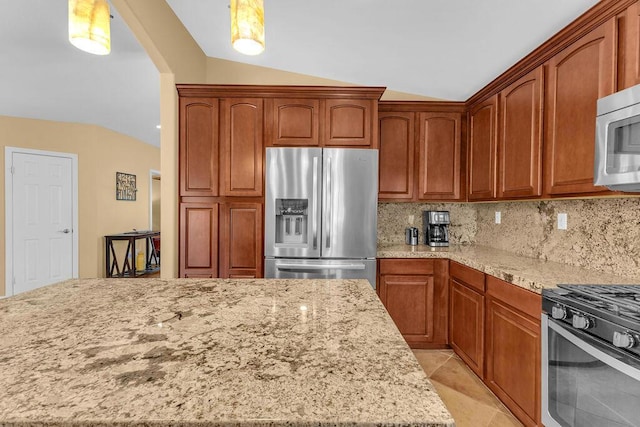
(585, 382)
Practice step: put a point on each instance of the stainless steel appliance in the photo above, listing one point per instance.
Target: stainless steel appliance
(617, 156)
(436, 228)
(321, 213)
(411, 236)
(591, 355)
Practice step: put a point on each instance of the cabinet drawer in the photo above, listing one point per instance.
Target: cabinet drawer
(406, 266)
(468, 276)
(521, 299)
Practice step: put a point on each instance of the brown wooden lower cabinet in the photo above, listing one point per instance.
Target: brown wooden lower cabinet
(466, 315)
(241, 243)
(513, 348)
(414, 292)
(221, 239)
(199, 239)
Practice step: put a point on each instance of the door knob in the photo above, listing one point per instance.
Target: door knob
(65, 231)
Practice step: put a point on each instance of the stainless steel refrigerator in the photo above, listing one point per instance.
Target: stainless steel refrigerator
(321, 213)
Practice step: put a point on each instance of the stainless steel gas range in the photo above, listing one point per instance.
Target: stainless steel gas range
(591, 355)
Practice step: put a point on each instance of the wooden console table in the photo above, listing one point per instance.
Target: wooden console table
(152, 261)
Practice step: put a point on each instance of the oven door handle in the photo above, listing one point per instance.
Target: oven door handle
(583, 344)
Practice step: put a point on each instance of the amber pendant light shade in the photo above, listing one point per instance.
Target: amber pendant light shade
(247, 26)
(90, 26)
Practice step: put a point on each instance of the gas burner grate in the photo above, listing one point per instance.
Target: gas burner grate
(623, 300)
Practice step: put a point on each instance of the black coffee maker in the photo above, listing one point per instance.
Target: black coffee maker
(436, 228)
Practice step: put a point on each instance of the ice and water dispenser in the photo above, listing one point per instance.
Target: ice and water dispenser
(291, 220)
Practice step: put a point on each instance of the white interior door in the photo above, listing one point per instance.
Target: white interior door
(42, 216)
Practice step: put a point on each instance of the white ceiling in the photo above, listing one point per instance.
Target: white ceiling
(43, 76)
(445, 49)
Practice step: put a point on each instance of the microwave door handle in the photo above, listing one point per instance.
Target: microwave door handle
(314, 210)
(328, 201)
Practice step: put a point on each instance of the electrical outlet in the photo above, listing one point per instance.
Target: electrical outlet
(562, 221)
(498, 217)
(411, 219)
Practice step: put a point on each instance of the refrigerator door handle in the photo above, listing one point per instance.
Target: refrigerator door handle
(328, 200)
(314, 213)
(284, 266)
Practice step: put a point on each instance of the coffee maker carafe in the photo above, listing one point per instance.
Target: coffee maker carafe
(436, 228)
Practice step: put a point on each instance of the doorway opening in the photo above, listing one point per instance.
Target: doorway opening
(154, 206)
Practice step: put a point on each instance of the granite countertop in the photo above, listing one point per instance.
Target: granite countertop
(529, 273)
(208, 352)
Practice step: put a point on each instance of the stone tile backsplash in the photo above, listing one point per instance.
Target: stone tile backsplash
(393, 218)
(602, 234)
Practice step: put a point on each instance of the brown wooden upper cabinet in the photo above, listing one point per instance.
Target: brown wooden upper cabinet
(421, 151)
(396, 155)
(198, 147)
(520, 137)
(629, 47)
(577, 77)
(295, 122)
(348, 122)
(241, 146)
(483, 136)
(439, 158)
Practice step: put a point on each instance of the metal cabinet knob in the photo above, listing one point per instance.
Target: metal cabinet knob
(623, 340)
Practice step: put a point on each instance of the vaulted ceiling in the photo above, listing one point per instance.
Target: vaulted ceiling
(442, 49)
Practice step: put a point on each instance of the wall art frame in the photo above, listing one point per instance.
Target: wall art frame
(126, 186)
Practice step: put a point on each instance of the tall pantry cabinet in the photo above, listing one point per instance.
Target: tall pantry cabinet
(220, 186)
(224, 131)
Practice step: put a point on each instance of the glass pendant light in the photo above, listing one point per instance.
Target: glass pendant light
(90, 26)
(247, 26)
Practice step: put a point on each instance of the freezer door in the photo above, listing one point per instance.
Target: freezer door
(350, 203)
(293, 202)
(321, 269)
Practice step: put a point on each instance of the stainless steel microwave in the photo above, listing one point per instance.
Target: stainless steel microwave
(617, 156)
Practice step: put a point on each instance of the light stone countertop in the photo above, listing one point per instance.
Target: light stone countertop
(208, 352)
(529, 273)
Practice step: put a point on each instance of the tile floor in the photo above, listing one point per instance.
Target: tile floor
(470, 402)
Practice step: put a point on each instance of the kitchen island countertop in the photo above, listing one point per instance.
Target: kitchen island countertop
(528, 273)
(208, 352)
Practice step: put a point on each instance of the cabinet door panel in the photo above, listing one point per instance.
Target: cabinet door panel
(629, 65)
(198, 147)
(466, 325)
(397, 148)
(199, 239)
(417, 302)
(482, 150)
(578, 76)
(520, 145)
(348, 122)
(295, 122)
(513, 360)
(241, 240)
(439, 147)
(241, 148)
(409, 301)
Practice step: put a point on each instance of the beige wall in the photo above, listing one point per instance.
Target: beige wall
(101, 153)
(221, 71)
